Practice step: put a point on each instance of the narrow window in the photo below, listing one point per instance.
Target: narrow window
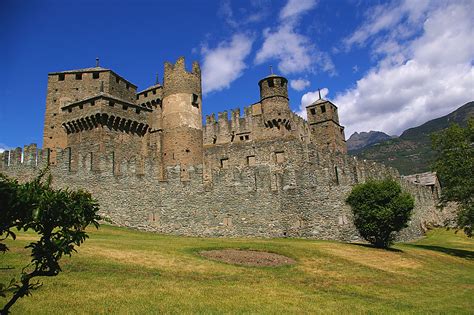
(241, 138)
(251, 160)
(145, 94)
(337, 175)
(154, 92)
(69, 110)
(92, 103)
(95, 75)
(313, 111)
(225, 163)
(128, 86)
(323, 109)
(271, 83)
(247, 137)
(117, 79)
(124, 107)
(111, 103)
(138, 96)
(81, 106)
(137, 110)
(280, 157)
(195, 101)
(113, 162)
(69, 158)
(78, 76)
(91, 161)
(61, 77)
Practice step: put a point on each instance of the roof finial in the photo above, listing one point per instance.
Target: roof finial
(319, 91)
(271, 69)
(97, 62)
(157, 79)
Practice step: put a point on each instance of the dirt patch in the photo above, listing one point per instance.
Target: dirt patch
(248, 257)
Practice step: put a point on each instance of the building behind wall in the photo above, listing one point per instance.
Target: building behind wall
(153, 164)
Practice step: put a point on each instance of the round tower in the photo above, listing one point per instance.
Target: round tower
(274, 100)
(182, 115)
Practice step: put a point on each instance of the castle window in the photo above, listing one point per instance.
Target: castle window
(137, 110)
(313, 111)
(124, 107)
(247, 137)
(251, 160)
(323, 109)
(95, 75)
(78, 76)
(128, 86)
(195, 101)
(225, 163)
(271, 83)
(52, 127)
(117, 79)
(154, 92)
(138, 96)
(241, 138)
(61, 77)
(69, 110)
(111, 103)
(280, 157)
(92, 103)
(337, 175)
(145, 94)
(81, 106)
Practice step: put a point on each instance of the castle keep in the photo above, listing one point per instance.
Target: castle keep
(153, 165)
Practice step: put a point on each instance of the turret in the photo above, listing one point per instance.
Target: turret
(325, 129)
(274, 100)
(182, 115)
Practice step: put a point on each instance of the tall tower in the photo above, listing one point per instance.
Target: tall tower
(182, 115)
(325, 129)
(274, 100)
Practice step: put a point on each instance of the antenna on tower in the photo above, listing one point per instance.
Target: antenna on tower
(319, 91)
(157, 79)
(271, 70)
(97, 62)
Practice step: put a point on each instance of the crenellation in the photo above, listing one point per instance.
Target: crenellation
(152, 164)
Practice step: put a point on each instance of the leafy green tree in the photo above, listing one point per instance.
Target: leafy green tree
(454, 165)
(59, 217)
(380, 209)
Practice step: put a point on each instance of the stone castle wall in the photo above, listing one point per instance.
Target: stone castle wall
(275, 194)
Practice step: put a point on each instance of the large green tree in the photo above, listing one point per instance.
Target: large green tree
(59, 217)
(380, 210)
(454, 166)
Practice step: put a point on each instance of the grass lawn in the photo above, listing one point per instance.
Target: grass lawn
(125, 271)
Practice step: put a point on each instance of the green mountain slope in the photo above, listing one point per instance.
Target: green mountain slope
(411, 152)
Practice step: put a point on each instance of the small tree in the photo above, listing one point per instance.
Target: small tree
(59, 217)
(454, 165)
(380, 209)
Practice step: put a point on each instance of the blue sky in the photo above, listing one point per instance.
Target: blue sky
(387, 65)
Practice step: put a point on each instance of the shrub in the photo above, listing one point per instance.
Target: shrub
(380, 209)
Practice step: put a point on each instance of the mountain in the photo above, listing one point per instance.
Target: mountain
(364, 139)
(411, 152)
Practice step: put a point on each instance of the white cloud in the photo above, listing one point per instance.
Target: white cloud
(294, 52)
(299, 84)
(309, 98)
(225, 63)
(418, 79)
(294, 8)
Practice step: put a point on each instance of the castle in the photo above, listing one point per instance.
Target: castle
(153, 165)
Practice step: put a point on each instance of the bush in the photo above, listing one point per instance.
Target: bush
(380, 209)
(59, 217)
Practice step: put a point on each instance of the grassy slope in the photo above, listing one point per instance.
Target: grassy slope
(124, 271)
(411, 152)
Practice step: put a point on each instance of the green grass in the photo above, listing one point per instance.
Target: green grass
(124, 271)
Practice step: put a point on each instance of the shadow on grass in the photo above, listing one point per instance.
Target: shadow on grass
(390, 249)
(450, 251)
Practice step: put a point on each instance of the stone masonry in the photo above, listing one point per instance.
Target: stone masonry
(153, 165)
